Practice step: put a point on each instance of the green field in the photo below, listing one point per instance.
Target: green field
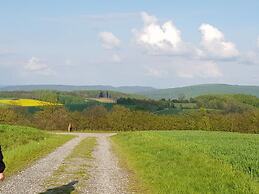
(24, 145)
(191, 161)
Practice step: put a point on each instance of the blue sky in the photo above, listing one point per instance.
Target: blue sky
(151, 43)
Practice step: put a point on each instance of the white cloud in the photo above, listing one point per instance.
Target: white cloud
(35, 65)
(109, 40)
(116, 58)
(165, 38)
(207, 69)
(156, 72)
(148, 19)
(258, 42)
(214, 43)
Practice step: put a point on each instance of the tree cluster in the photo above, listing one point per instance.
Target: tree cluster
(120, 118)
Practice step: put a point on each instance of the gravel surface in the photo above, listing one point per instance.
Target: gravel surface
(106, 177)
(29, 181)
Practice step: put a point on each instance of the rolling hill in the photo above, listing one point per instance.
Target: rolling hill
(123, 89)
(150, 92)
(197, 90)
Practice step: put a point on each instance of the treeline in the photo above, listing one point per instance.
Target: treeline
(237, 113)
(228, 103)
(119, 118)
(145, 104)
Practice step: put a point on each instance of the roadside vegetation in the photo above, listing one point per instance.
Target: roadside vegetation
(24, 145)
(192, 161)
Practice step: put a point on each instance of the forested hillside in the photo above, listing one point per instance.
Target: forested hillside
(123, 89)
(228, 103)
(149, 92)
(197, 90)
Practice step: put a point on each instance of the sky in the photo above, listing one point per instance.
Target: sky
(131, 42)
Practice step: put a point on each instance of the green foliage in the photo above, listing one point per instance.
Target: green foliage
(119, 118)
(227, 103)
(69, 98)
(52, 118)
(87, 105)
(14, 136)
(210, 112)
(24, 145)
(145, 104)
(246, 99)
(192, 162)
(75, 97)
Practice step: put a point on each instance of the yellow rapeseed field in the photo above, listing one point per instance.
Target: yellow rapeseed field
(26, 102)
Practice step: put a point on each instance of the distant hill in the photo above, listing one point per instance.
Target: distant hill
(197, 90)
(150, 92)
(124, 89)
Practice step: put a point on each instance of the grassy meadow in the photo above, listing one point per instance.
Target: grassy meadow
(23, 145)
(26, 102)
(191, 161)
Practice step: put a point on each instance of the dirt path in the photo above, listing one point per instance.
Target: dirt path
(105, 175)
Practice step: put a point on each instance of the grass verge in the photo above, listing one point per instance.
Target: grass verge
(24, 145)
(192, 161)
(135, 184)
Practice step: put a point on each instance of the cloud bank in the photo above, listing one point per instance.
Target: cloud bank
(165, 39)
(158, 38)
(214, 44)
(35, 65)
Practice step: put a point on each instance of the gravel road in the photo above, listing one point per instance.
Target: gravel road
(105, 174)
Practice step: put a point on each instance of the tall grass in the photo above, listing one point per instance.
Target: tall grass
(15, 136)
(192, 161)
(24, 145)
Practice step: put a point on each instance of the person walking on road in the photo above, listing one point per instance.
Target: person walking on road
(2, 166)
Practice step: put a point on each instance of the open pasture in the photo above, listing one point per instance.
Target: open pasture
(192, 161)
